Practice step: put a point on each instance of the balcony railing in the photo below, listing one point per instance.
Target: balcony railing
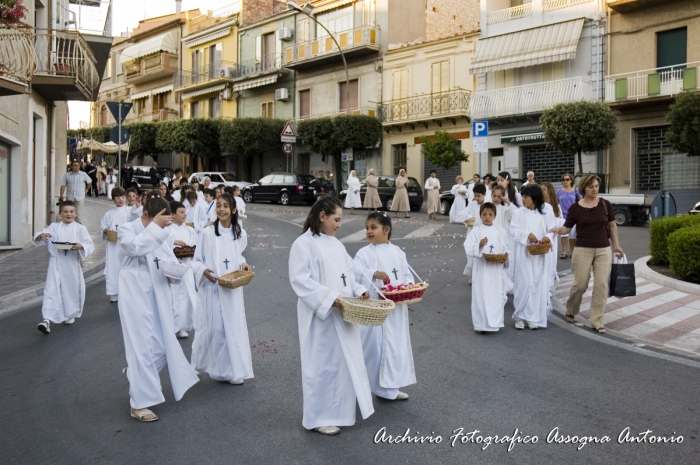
(152, 67)
(214, 17)
(158, 115)
(509, 14)
(551, 5)
(649, 83)
(266, 64)
(532, 98)
(369, 111)
(204, 74)
(443, 104)
(17, 55)
(324, 46)
(63, 53)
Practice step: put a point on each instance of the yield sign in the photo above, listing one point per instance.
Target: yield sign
(288, 133)
(115, 108)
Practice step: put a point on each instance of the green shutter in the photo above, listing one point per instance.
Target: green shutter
(621, 89)
(671, 47)
(654, 84)
(690, 79)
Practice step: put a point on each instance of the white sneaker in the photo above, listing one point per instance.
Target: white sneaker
(182, 335)
(44, 327)
(520, 324)
(531, 326)
(236, 381)
(401, 396)
(69, 321)
(113, 298)
(328, 430)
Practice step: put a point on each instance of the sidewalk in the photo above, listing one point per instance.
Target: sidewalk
(665, 313)
(24, 272)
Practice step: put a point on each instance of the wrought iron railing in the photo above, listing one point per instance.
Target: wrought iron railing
(369, 111)
(551, 5)
(204, 74)
(266, 64)
(65, 53)
(158, 115)
(656, 82)
(353, 38)
(17, 55)
(426, 106)
(509, 14)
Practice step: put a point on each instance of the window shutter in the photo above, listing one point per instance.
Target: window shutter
(396, 85)
(445, 76)
(435, 76)
(404, 83)
(304, 103)
(258, 48)
(671, 47)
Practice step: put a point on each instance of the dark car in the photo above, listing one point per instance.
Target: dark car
(387, 190)
(142, 176)
(447, 198)
(284, 188)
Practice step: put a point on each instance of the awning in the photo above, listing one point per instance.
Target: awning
(208, 37)
(140, 95)
(162, 43)
(332, 6)
(162, 90)
(89, 145)
(546, 44)
(256, 82)
(197, 93)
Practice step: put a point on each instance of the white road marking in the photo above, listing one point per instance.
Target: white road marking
(423, 231)
(355, 237)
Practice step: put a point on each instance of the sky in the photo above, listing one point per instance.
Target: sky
(127, 14)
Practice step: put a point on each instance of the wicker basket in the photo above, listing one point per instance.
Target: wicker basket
(111, 235)
(184, 252)
(63, 245)
(539, 249)
(470, 222)
(496, 257)
(191, 225)
(407, 296)
(366, 312)
(236, 279)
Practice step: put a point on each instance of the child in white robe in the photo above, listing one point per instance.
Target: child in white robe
(146, 311)
(210, 207)
(240, 204)
(221, 344)
(504, 214)
(134, 203)
(473, 211)
(512, 195)
(333, 372)
(111, 183)
(491, 282)
(184, 292)
(64, 293)
(118, 216)
(387, 348)
(531, 225)
(195, 211)
(459, 190)
(553, 209)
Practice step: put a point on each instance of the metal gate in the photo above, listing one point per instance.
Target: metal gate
(547, 163)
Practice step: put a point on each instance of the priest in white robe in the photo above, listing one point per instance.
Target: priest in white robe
(352, 198)
(113, 219)
(459, 190)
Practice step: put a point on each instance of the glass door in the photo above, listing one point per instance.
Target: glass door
(4, 193)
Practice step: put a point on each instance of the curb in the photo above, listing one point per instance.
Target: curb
(642, 269)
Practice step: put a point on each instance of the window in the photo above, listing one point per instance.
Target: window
(140, 105)
(104, 116)
(343, 94)
(214, 107)
(303, 31)
(552, 71)
(440, 77)
(289, 179)
(195, 65)
(266, 180)
(369, 11)
(5, 193)
(304, 103)
(160, 101)
(108, 69)
(671, 47)
(278, 179)
(338, 20)
(399, 88)
(268, 50)
(504, 78)
(215, 53)
(194, 110)
(398, 155)
(267, 109)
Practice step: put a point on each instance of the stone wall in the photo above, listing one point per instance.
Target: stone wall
(445, 18)
(255, 10)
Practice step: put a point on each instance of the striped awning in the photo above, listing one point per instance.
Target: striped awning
(332, 6)
(162, 90)
(163, 43)
(256, 83)
(140, 95)
(546, 44)
(207, 90)
(207, 38)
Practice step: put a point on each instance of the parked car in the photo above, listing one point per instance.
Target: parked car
(284, 188)
(142, 176)
(695, 209)
(630, 208)
(447, 198)
(219, 177)
(387, 190)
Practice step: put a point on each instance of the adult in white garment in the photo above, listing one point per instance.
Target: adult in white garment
(221, 345)
(459, 203)
(117, 216)
(352, 198)
(387, 348)
(146, 311)
(184, 292)
(476, 179)
(333, 373)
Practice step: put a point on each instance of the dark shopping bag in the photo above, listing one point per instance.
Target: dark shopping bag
(622, 280)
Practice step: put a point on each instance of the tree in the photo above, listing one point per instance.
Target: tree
(318, 135)
(684, 116)
(142, 139)
(442, 151)
(197, 136)
(577, 127)
(356, 131)
(248, 137)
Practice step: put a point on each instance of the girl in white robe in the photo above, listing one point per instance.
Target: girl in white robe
(506, 182)
(459, 190)
(184, 291)
(491, 282)
(111, 183)
(352, 198)
(146, 311)
(530, 225)
(553, 209)
(504, 214)
(118, 216)
(195, 211)
(387, 348)
(221, 345)
(64, 292)
(334, 377)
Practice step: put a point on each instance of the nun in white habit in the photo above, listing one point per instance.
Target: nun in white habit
(352, 199)
(334, 377)
(459, 190)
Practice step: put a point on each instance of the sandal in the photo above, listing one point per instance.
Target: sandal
(600, 330)
(563, 256)
(569, 317)
(144, 415)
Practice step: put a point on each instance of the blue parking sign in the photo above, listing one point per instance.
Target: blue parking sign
(480, 128)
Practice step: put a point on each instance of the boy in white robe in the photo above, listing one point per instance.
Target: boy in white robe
(472, 211)
(196, 215)
(504, 214)
(240, 204)
(146, 311)
(333, 372)
(184, 291)
(210, 208)
(111, 183)
(470, 189)
(387, 348)
(200, 194)
(134, 203)
(118, 216)
(64, 293)
(491, 282)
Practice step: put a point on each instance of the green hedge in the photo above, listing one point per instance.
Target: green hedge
(661, 229)
(684, 253)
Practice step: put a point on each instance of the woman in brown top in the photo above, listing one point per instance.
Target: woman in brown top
(401, 203)
(372, 200)
(594, 219)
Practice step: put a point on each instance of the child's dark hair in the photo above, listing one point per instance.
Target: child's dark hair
(133, 189)
(433, 171)
(65, 203)
(228, 189)
(235, 227)
(191, 195)
(175, 206)
(511, 192)
(325, 204)
(382, 218)
(487, 206)
(156, 205)
(488, 177)
(499, 188)
(480, 188)
(234, 189)
(534, 191)
(210, 192)
(118, 192)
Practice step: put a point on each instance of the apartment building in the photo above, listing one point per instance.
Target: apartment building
(654, 55)
(533, 54)
(45, 61)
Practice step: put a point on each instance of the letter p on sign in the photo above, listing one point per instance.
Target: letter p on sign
(480, 128)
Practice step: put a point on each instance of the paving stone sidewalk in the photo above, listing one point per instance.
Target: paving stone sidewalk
(23, 273)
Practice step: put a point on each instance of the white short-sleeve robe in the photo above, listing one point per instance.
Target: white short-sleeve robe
(196, 215)
(504, 214)
(532, 273)
(240, 206)
(146, 314)
(352, 199)
(135, 212)
(210, 211)
(554, 253)
(490, 282)
(184, 292)
(221, 344)
(387, 348)
(64, 292)
(333, 373)
(113, 219)
(459, 204)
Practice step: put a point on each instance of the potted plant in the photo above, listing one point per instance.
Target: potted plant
(11, 12)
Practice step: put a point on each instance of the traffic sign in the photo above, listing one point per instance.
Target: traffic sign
(114, 135)
(480, 145)
(288, 148)
(114, 108)
(288, 134)
(480, 128)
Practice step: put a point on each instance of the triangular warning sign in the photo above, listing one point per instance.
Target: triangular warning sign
(288, 131)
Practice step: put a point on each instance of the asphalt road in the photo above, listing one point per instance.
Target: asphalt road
(64, 400)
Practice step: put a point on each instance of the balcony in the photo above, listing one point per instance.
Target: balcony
(424, 108)
(532, 98)
(158, 115)
(553, 5)
(651, 84)
(369, 111)
(263, 68)
(629, 6)
(204, 76)
(509, 14)
(355, 42)
(66, 68)
(17, 60)
(150, 68)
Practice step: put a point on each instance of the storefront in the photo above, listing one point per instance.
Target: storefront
(4, 194)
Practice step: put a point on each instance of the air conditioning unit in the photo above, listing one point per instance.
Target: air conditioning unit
(227, 72)
(282, 94)
(226, 94)
(284, 34)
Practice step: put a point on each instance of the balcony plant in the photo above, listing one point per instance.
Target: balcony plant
(442, 151)
(684, 116)
(12, 12)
